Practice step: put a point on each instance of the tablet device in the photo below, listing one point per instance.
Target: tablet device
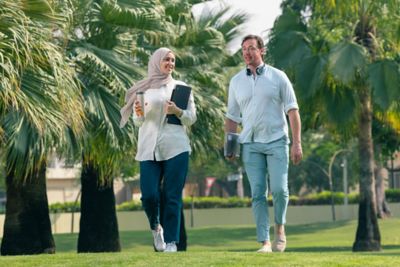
(180, 96)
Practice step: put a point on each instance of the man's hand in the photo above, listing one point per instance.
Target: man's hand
(231, 157)
(230, 127)
(296, 153)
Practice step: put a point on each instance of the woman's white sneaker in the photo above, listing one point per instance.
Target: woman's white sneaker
(158, 239)
(171, 247)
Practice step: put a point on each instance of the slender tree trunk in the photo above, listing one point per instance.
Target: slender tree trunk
(367, 237)
(98, 225)
(381, 174)
(27, 227)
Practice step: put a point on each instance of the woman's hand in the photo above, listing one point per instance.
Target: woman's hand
(138, 109)
(171, 108)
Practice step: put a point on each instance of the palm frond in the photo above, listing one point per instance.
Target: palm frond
(138, 18)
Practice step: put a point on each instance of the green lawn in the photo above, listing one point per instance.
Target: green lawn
(322, 244)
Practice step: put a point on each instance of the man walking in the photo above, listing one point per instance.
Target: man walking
(260, 97)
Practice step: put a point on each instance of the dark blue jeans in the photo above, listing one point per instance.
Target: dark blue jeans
(169, 176)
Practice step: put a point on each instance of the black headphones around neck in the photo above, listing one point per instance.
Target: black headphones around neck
(259, 70)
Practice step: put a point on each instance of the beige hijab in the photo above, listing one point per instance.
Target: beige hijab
(155, 79)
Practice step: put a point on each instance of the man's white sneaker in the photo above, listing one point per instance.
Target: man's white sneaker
(279, 243)
(171, 247)
(158, 239)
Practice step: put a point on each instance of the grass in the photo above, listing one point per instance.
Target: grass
(319, 244)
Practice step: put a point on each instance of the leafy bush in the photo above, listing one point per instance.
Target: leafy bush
(130, 205)
(323, 198)
(65, 207)
(216, 202)
(393, 195)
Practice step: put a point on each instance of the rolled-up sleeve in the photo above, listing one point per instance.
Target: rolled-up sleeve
(288, 96)
(233, 112)
(189, 115)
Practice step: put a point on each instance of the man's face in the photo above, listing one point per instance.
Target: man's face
(252, 55)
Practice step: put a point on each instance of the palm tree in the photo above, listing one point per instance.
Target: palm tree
(95, 42)
(341, 55)
(40, 104)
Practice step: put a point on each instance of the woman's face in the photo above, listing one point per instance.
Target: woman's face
(168, 63)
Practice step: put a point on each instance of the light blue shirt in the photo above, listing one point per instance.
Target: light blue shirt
(260, 103)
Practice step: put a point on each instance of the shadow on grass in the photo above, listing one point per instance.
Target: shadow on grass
(66, 242)
(320, 249)
(304, 249)
(315, 227)
(242, 238)
(391, 250)
(391, 247)
(388, 250)
(222, 236)
(210, 237)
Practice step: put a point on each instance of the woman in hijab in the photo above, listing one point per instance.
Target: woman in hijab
(163, 148)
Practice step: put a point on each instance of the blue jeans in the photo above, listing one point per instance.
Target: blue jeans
(171, 176)
(260, 159)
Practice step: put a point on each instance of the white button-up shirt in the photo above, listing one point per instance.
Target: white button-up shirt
(260, 104)
(159, 140)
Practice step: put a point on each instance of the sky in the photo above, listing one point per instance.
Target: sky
(262, 14)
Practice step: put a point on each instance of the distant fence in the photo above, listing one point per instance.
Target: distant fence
(136, 220)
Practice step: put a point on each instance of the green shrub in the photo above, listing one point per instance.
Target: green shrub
(129, 206)
(65, 207)
(392, 195)
(323, 198)
(216, 202)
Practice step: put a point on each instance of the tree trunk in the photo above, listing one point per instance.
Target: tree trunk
(98, 225)
(367, 237)
(382, 175)
(27, 227)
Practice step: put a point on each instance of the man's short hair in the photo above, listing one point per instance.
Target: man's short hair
(260, 42)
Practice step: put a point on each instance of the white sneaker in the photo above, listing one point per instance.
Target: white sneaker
(279, 243)
(158, 239)
(171, 247)
(265, 249)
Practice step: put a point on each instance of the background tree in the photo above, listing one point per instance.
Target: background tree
(340, 54)
(94, 41)
(386, 132)
(39, 103)
(310, 176)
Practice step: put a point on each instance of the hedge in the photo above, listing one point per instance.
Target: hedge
(323, 198)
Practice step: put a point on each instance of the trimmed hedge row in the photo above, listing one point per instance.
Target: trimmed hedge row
(323, 198)
(65, 207)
